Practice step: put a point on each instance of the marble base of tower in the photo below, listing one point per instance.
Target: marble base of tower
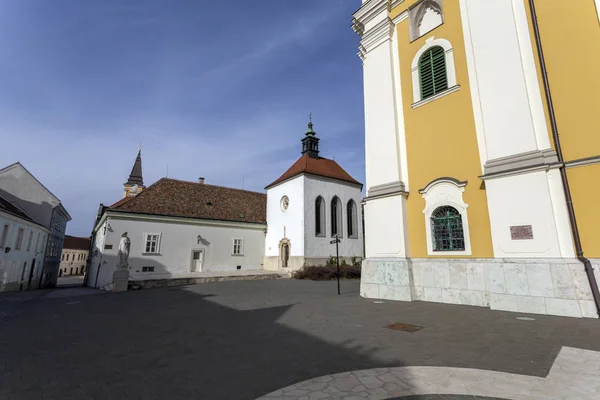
(538, 286)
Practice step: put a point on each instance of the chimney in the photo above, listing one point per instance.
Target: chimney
(200, 180)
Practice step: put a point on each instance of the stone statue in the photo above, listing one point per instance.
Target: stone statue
(123, 254)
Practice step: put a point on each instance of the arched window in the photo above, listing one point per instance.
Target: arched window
(319, 216)
(447, 229)
(336, 217)
(352, 219)
(432, 72)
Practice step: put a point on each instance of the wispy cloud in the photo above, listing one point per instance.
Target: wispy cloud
(216, 92)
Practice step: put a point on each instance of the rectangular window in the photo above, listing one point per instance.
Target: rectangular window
(238, 246)
(4, 236)
(152, 243)
(19, 241)
(37, 242)
(30, 241)
(24, 269)
(147, 269)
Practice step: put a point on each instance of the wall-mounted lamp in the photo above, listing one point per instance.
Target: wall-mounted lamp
(6, 249)
(199, 239)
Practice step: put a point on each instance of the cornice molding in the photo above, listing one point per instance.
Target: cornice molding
(375, 36)
(369, 10)
(583, 161)
(520, 161)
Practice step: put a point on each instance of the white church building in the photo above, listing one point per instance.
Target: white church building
(313, 202)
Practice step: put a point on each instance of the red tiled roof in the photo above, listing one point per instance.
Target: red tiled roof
(122, 201)
(171, 197)
(316, 166)
(76, 243)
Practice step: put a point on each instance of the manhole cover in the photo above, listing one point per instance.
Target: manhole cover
(404, 327)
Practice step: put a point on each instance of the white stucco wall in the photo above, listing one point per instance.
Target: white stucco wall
(177, 241)
(525, 200)
(12, 263)
(320, 247)
(501, 47)
(292, 219)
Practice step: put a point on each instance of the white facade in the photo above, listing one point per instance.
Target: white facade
(21, 265)
(172, 253)
(20, 187)
(73, 262)
(296, 225)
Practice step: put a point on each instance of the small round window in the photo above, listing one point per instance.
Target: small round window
(285, 203)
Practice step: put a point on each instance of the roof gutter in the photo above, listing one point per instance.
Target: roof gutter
(589, 270)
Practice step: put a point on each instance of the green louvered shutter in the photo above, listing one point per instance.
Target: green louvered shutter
(432, 72)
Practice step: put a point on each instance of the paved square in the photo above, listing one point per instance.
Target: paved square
(245, 339)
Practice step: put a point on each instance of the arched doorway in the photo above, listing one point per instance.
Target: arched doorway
(284, 253)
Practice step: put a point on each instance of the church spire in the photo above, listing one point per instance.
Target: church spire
(135, 183)
(310, 143)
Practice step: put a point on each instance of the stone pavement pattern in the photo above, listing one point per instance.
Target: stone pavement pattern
(575, 374)
(245, 339)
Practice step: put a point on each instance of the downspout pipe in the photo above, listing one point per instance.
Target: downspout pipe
(589, 270)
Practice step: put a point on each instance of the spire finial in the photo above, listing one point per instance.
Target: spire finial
(310, 130)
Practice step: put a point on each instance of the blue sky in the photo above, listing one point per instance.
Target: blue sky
(219, 89)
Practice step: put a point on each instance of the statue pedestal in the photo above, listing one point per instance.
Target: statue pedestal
(120, 281)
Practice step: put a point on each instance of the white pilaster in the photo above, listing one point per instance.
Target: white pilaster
(385, 145)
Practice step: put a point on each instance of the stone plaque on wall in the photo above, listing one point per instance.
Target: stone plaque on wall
(521, 232)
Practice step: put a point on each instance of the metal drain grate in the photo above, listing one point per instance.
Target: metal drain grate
(404, 327)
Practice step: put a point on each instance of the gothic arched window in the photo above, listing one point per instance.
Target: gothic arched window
(336, 217)
(447, 229)
(319, 216)
(352, 219)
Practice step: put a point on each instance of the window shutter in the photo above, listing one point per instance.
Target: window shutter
(432, 72)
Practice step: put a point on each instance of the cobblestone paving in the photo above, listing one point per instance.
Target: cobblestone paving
(245, 339)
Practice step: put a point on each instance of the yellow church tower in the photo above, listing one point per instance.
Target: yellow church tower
(135, 183)
(482, 153)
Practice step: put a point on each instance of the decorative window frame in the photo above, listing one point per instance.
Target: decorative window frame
(158, 243)
(445, 192)
(417, 11)
(241, 253)
(450, 71)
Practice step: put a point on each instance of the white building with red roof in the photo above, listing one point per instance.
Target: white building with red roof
(311, 204)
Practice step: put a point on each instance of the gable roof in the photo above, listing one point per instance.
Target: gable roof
(10, 208)
(22, 167)
(76, 243)
(122, 201)
(175, 198)
(316, 166)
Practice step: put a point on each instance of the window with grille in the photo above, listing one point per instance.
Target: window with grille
(432, 72)
(447, 230)
(152, 240)
(238, 246)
